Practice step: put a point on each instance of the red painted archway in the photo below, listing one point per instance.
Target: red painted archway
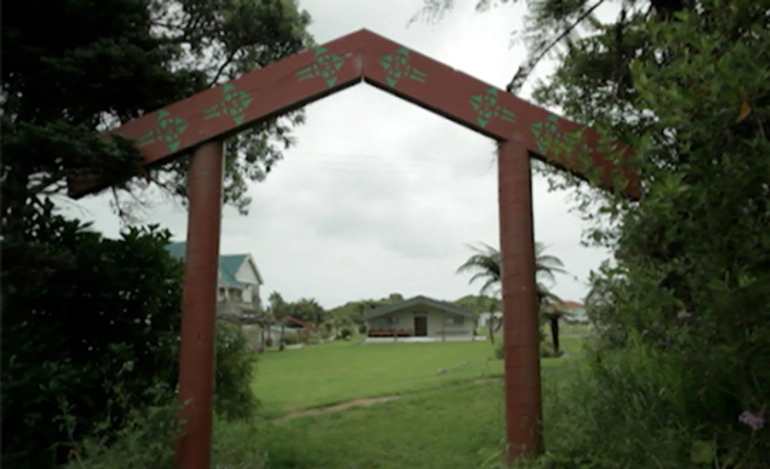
(197, 126)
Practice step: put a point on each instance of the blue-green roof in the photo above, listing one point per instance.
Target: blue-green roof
(231, 263)
(419, 300)
(176, 249)
(228, 264)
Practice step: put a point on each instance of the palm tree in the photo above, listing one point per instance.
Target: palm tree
(485, 265)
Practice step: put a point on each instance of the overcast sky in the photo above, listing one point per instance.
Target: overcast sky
(380, 196)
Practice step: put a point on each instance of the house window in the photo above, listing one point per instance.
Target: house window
(386, 321)
(455, 320)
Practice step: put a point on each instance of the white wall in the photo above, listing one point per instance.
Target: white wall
(405, 320)
(246, 275)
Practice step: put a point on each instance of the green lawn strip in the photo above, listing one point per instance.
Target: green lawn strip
(455, 425)
(329, 374)
(452, 419)
(332, 373)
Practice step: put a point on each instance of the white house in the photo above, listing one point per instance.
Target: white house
(420, 319)
(238, 285)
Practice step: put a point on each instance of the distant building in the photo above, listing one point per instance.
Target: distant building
(238, 286)
(485, 319)
(420, 319)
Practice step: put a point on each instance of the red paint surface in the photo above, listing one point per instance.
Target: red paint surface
(199, 305)
(275, 89)
(521, 341)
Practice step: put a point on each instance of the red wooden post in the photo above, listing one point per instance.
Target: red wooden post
(521, 343)
(199, 303)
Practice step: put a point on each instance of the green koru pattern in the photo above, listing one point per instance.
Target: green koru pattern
(326, 66)
(546, 133)
(397, 67)
(233, 104)
(168, 131)
(487, 108)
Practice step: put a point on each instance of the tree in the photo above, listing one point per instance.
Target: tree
(77, 69)
(485, 264)
(129, 57)
(479, 303)
(276, 305)
(687, 85)
(92, 334)
(308, 310)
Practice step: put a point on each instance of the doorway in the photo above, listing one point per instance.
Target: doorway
(420, 326)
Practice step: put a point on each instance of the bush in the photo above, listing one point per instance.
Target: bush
(291, 339)
(346, 333)
(89, 324)
(499, 350)
(235, 367)
(147, 442)
(658, 409)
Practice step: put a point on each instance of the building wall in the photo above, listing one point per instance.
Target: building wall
(404, 320)
(247, 276)
(485, 317)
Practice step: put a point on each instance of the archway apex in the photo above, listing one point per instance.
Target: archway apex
(173, 130)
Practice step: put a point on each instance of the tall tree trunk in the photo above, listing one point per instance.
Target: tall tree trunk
(554, 322)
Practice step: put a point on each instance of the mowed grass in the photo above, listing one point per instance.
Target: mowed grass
(457, 425)
(341, 371)
(454, 419)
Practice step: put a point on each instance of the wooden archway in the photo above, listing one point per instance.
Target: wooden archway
(197, 126)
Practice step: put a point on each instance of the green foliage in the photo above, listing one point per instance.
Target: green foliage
(91, 324)
(682, 315)
(485, 265)
(346, 333)
(305, 309)
(137, 58)
(480, 303)
(293, 339)
(235, 370)
(146, 441)
(90, 333)
(88, 323)
(689, 88)
(659, 411)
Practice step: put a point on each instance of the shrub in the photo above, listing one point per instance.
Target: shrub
(97, 317)
(235, 367)
(291, 339)
(499, 351)
(146, 441)
(658, 409)
(346, 333)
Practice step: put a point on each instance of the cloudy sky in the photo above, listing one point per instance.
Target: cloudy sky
(389, 204)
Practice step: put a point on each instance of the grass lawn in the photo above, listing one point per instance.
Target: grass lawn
(456, 425)
(341, 371)
(452, 419)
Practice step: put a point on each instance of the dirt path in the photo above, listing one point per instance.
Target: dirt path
(345, 405)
